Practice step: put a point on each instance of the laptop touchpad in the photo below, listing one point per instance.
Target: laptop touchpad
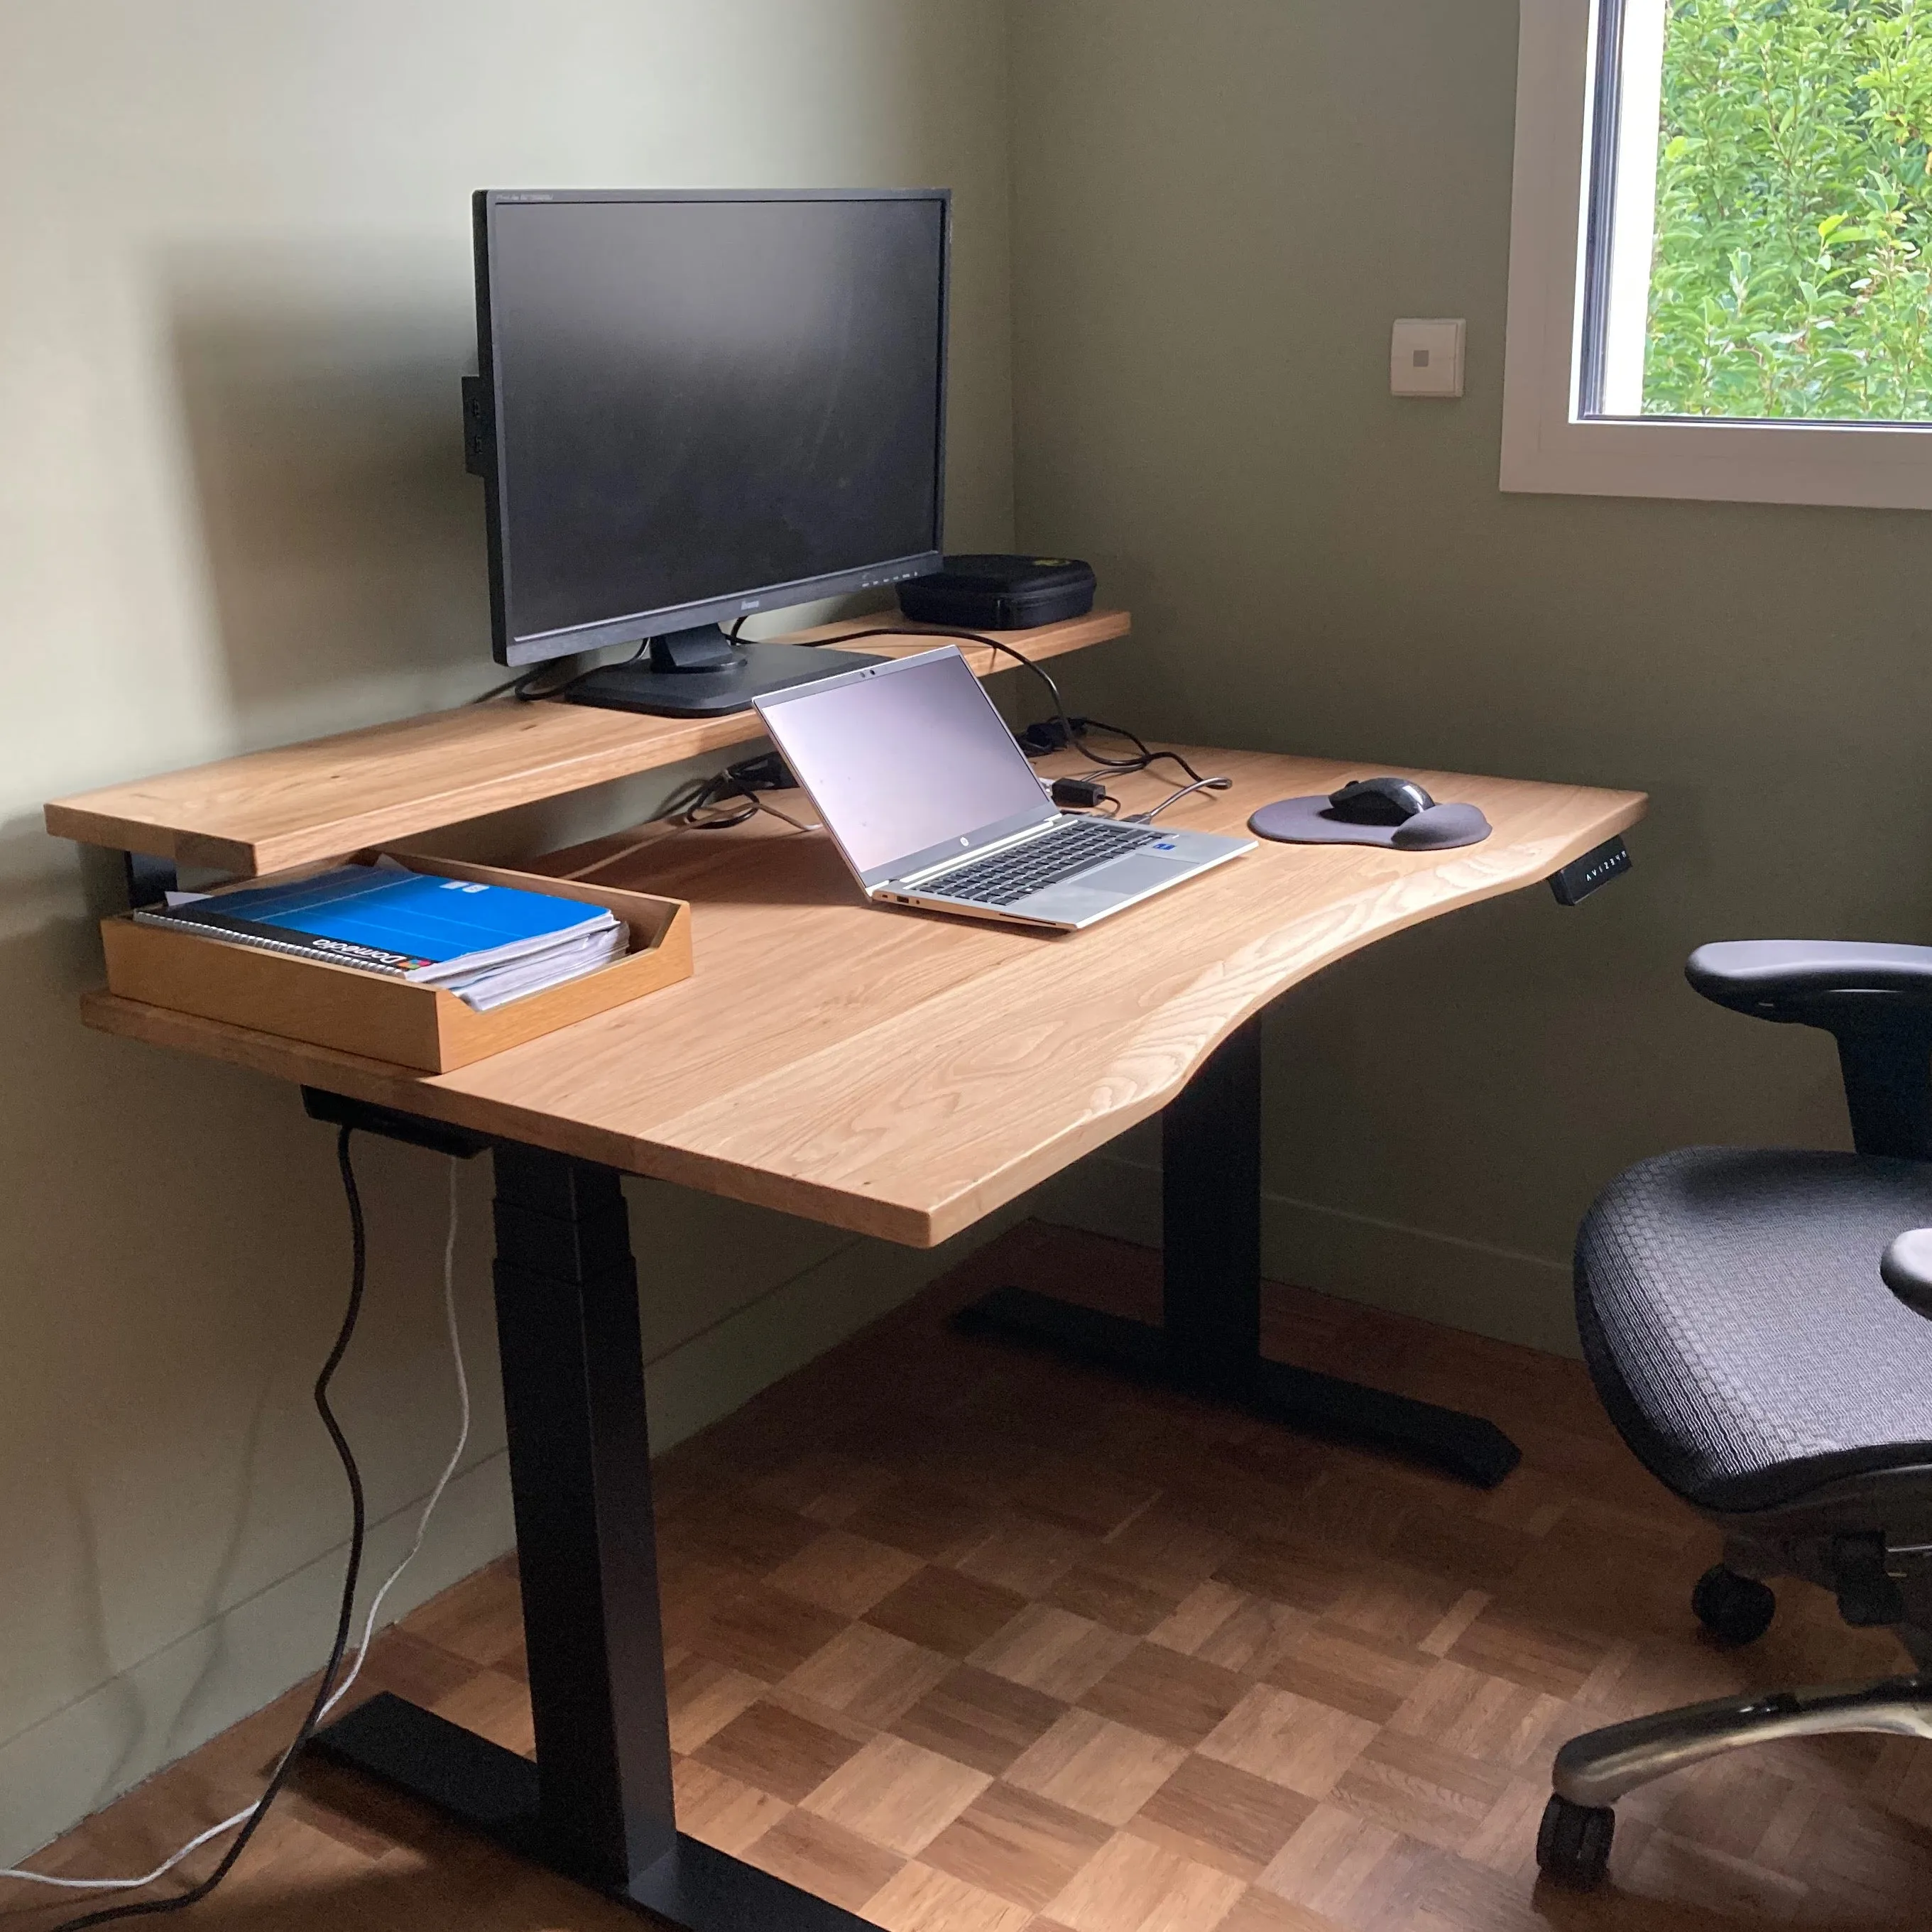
(1137, 872)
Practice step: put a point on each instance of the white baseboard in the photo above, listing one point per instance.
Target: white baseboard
(712, 1373)
(86, 1754)
(1463, 1284)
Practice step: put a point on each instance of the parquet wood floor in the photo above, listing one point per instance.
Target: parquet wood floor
(971, 1641)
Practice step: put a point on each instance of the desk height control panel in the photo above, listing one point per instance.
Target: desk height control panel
(1597, 867)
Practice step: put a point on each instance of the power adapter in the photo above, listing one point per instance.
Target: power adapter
(1087, 792)
(1038, 740)
(768, 772)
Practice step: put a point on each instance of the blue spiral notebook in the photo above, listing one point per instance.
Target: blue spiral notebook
(416, 925)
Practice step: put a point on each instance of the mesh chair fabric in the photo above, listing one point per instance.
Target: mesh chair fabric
(1736, 1327)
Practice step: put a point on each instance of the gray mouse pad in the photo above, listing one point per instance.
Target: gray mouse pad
(1309, 821)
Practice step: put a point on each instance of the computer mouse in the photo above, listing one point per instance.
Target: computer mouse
(1384, 801)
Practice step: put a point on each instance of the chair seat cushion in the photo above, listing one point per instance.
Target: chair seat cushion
(1736, 1327)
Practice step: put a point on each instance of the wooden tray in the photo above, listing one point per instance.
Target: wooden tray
(384, 1019)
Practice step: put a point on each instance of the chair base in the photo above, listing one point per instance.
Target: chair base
(1601, 1766)
(1593, 1770)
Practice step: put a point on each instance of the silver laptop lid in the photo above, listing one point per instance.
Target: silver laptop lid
(907, 763)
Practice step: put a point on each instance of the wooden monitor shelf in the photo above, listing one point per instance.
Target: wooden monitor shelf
(267, 811)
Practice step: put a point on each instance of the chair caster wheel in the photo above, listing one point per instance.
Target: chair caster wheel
(1734, 1609)
(1573, 1843)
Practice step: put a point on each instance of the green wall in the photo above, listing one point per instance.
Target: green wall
(1219, 209)
(233, 512)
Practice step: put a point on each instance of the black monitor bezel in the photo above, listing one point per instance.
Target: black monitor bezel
(744, 600)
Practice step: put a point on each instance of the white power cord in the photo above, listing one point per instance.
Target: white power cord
(342, 1689)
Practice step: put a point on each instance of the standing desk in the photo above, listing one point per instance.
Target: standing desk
(897, 1074)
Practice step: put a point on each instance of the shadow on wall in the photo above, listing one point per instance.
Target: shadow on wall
(320, 389)
(117, 1156)
(166, 1310)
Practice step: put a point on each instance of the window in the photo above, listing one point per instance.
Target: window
(1720, 276)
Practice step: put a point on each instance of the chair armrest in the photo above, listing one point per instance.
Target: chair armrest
(1811, 981)
(1906, 1270)
(1875, 999)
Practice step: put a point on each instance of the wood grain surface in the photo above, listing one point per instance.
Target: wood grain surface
(267, 811)
(903, 1073)
(968, 1640)
(309, 998)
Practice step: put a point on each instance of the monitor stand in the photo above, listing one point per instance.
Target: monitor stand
(702, 674)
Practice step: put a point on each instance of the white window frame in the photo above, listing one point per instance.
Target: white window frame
(1547, 447)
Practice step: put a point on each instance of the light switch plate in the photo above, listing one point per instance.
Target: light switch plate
(1426, 357)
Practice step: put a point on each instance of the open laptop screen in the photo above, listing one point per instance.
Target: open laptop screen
(907, 764)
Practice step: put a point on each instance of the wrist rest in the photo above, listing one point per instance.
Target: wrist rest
(1310, 821)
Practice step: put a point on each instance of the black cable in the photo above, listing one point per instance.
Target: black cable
(736, 780)
(497, 690)
(527, 694)
(709, 793)
(695, 809)
(733, 782)
(1072, 731)
(745, 779)
(524, 687)
(345, 1620)
(1146, 756)
(1071, 736)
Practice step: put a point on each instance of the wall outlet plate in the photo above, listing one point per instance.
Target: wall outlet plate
(1426, 357)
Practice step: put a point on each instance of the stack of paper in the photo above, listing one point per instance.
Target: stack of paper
(487, 944)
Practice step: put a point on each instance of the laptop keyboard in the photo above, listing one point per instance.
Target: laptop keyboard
(1010, 875)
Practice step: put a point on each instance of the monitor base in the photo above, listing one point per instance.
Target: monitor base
(753, 670)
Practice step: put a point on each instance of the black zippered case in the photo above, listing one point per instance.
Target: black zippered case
(1000, 593)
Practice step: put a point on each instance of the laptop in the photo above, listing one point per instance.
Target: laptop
(930, 803)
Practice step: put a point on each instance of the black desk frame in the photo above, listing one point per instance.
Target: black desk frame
(1210, 1340)
(597, 1804)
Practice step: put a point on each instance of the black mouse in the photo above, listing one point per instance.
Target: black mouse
(1386, 801)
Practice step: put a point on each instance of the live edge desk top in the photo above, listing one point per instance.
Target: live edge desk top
(903, 1074)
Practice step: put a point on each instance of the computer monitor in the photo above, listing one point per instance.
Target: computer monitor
(693, 407)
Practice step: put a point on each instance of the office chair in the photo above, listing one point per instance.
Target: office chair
(1752, 1320)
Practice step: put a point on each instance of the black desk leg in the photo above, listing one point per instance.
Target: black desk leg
(597, 1804)
(1210, 1340)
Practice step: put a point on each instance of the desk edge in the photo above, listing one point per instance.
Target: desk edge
(831, 1205)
